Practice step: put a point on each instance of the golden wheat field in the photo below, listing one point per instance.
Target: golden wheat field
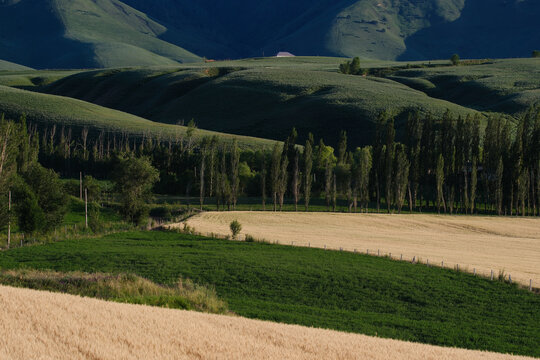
(473, 242)
(43, 325)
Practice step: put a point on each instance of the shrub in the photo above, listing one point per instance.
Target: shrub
(162, 212)
(536, 54)
(94, 217)
(455, 59)
(236, 227)
(249, 238)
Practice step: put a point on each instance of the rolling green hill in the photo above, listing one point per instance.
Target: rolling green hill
(83, 34)
(9, 66)
(256, 97)
(48, 110)
(266, 97)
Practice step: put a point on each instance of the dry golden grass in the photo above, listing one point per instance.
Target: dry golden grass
(42, 325)
(473, 242)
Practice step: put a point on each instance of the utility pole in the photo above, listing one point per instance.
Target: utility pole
(9, 221)
(80, 185)
(86, 207)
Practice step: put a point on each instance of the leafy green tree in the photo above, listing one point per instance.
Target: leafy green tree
(49, 192)
(389, 161)
(401, 175)
(29, 214)
(134, 179)
(355, 66)
(414, 137)
(283, 179)
(235, 179)
(536, 54)
(235, 227)
(440, 183)
(363, 166)
(455, 59)
(275, 173)
(342, 147)
(474, 184)
(499, 186)
(308, 166)
(94, 188)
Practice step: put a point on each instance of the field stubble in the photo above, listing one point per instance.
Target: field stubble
(500, 244)
(59, 326)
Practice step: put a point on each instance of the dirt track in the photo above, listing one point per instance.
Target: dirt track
(473, 242)
(42, 325)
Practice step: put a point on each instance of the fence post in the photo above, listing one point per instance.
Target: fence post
(491, 275)
(427, 262)
(442, 264)
(474, 271)
(401, 257)
(414, 258)
(324, 246)
(510, 278)
(378, 252)
(390, 255)
(367, 252)
(530, 285)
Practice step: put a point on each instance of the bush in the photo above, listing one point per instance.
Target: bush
(236, 227)
(455, 59)
(249, 238)
(351, 67)
(161, 212)
(536, 54)
(94, 217)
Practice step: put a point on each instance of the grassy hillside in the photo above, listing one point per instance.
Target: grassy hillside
(9, 66)
(47, 110)
(256, 97)
(508, 86)
(313, 287)
(384, 29)
(266, 97)
(83, 34)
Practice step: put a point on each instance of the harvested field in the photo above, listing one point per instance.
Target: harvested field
(473, 242)
(58, 326)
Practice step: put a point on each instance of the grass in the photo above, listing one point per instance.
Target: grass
(49, 110)
(9, 66)
(256, 97)
(504, 86)
(62, 326)
(313, 287)
(265, 97)
(85, 34)
(472, 242)
(123, 288)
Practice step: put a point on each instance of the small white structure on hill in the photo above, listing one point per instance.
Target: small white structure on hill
(284, 54)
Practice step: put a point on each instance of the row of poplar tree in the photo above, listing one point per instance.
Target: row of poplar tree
(447, 164)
